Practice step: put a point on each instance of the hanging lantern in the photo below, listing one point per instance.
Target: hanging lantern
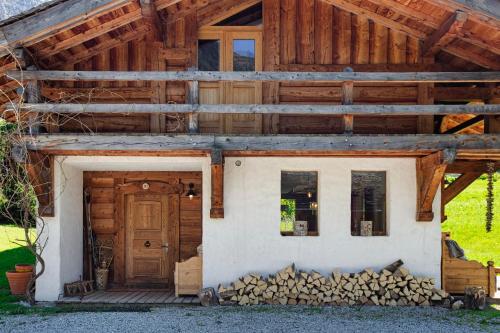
(191, 193)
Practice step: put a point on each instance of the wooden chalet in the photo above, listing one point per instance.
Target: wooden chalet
(267, 131)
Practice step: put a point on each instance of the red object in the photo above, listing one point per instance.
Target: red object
(24, 268)
(18, 281)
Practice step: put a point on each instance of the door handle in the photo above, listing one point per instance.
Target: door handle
(147, 243)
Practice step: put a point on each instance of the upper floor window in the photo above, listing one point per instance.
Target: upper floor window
(299, 203)
(209, 55)
(243, 55)
(368, 203)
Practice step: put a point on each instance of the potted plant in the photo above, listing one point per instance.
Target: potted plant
(19, 278)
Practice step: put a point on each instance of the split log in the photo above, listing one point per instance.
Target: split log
(475, 298)
(207, 297)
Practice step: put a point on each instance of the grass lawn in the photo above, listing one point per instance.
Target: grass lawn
(466, 222)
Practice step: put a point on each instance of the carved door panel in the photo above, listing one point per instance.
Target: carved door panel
(151, 214)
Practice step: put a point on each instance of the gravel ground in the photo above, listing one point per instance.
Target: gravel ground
(257, 319)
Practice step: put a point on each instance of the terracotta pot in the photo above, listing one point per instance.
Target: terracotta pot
(24, 268)
(18, 281)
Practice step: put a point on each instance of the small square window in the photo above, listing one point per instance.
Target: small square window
(368, 203)
(299, 203)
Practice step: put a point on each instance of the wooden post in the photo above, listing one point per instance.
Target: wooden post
(193, 98)
(492, 282)
(32, 95)
(217, 210)
(271, 43)
(347, 99)
(492, 122)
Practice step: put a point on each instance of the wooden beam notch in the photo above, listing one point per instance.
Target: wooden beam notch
(217, 210)
(430, 172)
(445, 34)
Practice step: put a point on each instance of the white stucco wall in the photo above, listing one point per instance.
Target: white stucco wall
(248, 238)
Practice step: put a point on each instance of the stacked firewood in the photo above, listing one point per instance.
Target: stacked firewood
(392, 286)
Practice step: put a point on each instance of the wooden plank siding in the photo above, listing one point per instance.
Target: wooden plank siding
(298, 35)
(105, 225)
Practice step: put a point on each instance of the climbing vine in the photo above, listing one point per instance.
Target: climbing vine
(489, 196)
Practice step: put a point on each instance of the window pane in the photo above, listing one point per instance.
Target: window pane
(208, 55)
(243, 55)
(368, 203)
(299, 203)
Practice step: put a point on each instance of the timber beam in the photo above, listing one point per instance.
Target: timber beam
(63, 16)
(461, 183)
(465, 125)
(430, 173)
(319, 109)
(445, 34)
(462, 167)
(408, 77)
(400, 145)
(217, 177)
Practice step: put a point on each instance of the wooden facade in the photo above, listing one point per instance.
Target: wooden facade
(386, 78)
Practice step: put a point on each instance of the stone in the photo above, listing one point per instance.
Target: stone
(457, 305)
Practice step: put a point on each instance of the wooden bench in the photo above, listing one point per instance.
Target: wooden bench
(457, 274)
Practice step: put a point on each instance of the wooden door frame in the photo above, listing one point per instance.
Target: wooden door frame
(122, 188)
(225, 35)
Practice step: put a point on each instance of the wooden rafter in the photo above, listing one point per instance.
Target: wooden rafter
(91, 33)
(186, 10)
(64, 16)
(465, 125)
(162, 4)
(102, 47)
(473, 57)
(220, 10)
(485, 11)
(460, 184)
(445, 34)
(430, 172)
(217, 178)
(434, 23)
(389, 23)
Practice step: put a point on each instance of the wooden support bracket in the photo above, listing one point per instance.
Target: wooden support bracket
(430, 172)
(40, 170)
(217, 210)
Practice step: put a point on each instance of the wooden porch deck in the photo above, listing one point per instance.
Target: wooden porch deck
(130, 297)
